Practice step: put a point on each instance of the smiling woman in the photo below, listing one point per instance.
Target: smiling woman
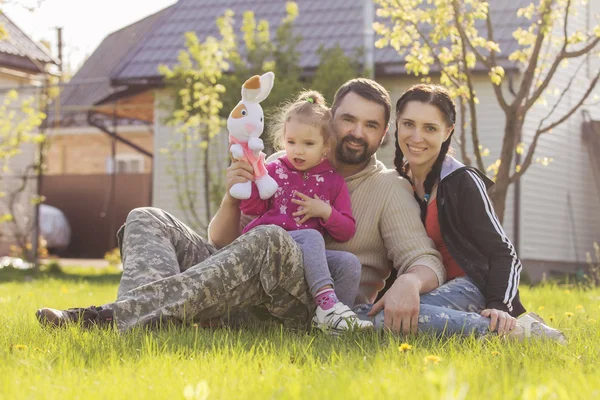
(482, 268)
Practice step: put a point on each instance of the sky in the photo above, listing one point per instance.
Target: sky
(85, 23)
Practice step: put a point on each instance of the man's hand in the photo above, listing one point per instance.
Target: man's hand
(500, 320)
(238, 172)
(311, 208)
(401, 304)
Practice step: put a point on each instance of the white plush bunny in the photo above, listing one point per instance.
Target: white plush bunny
(245, 125)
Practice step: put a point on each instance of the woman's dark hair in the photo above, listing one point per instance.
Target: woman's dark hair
(439, 97)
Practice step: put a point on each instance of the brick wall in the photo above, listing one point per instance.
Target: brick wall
(86, 153)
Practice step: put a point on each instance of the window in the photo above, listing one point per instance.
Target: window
(126, 164)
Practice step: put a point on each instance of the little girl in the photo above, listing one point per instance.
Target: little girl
(312, 200)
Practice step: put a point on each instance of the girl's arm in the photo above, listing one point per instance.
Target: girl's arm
(489, 237)
(340, 224)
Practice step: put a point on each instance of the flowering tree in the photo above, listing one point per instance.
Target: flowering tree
(195, 81)
(452, 37)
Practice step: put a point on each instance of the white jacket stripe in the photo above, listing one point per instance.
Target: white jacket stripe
(515, 268)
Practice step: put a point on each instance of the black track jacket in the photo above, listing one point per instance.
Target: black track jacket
(475, 238)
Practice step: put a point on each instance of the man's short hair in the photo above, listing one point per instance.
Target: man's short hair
(367, 89)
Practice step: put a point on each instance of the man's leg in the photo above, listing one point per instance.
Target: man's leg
(262, 267)
(155, 245)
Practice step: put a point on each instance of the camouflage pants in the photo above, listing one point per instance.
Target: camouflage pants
(170, 272)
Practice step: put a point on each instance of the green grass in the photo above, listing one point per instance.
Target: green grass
(274, 362)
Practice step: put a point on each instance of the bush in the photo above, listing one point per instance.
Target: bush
(113, 257)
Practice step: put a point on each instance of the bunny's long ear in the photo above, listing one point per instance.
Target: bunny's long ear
(257, 88)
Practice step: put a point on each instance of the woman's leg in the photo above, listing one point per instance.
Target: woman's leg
(451, 309)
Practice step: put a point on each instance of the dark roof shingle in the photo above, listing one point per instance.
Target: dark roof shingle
(91, 84)
(320, 22)
(17, 50)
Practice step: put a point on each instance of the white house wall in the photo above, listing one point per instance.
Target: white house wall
(560, 202)
(10, 182)
(164, 190)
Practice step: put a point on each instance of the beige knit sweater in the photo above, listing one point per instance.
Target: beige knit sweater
(389, 231)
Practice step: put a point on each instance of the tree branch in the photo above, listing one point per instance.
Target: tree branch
(530, 71)
(478, 55)
(548, 128)
(472, 108)
(562, 56)
(431, 48)
(463, 134)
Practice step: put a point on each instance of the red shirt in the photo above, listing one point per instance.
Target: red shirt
(432, 226)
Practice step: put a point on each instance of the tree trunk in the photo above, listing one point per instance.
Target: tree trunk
(514, 124)
(207, 183)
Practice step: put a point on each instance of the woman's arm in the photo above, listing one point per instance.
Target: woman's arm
(487, 234)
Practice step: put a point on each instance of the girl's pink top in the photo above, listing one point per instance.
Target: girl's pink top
(321, 180)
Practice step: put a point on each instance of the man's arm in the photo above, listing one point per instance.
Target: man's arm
(405, 238)
(419, 265)
(225, 225)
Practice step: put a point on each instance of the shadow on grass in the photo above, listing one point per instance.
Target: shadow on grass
(71, 274)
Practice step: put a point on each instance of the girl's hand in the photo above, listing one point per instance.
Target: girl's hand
(311, 208)
(501, 321)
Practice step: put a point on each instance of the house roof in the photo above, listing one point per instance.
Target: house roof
(327, 23)
(19, 51)
(91, 84)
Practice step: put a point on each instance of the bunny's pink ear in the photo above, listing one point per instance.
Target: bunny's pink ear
(257, 88)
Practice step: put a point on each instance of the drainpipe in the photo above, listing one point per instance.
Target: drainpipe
(369, 39)
(93, 122)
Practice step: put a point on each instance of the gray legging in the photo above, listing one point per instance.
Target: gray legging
(328, 267)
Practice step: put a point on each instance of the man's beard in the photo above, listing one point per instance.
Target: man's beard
(352, 156)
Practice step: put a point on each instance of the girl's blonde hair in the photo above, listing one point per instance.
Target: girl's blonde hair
(310, 107)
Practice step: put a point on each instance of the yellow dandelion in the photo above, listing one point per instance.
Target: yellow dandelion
(404, 347)
(541, 308)
(568, 314)
(432, 359)
(591, 321)
(567, 291)
(579, 307)
(495, 353)
(551, 318)
(19, 347)
(64, 290)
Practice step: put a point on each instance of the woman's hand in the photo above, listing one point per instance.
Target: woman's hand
(311, 208)
(501, 321)
(401, 304)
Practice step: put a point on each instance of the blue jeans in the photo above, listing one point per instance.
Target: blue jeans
(451, 309)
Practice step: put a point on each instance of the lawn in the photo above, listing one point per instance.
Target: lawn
(274, 362)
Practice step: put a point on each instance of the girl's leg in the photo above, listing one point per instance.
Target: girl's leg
(331, 314)
(316, 270)
(345, 270)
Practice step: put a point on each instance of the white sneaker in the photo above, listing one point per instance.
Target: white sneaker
(531, 325)
(339, 318)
